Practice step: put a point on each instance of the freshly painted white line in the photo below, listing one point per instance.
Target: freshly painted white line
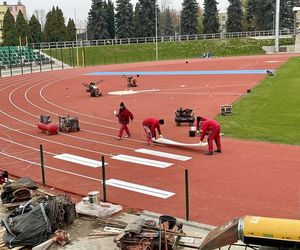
(142, 161)
(163, 154)
(131, 92)
(52, 168)
(139, 188)
(79, 160)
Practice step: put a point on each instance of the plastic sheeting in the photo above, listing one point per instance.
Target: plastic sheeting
(29, 229)
(102, 210)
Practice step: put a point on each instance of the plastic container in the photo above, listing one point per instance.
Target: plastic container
(94, 197)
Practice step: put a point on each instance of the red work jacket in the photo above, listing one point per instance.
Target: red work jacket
(124, 116)
(153, 124)
(207, 126)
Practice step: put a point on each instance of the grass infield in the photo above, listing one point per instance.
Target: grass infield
(115, 54)
(271, 112)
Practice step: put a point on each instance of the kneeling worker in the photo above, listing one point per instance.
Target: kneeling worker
(212, 129)
(150, 125)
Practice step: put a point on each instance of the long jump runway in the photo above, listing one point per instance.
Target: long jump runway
(247, 178)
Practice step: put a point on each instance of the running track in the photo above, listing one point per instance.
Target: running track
(247, 178)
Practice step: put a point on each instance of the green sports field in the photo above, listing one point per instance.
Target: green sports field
(271, 112)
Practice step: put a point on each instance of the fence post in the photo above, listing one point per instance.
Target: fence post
(186, 194)
(51, 58)
(42, 164)
(103, 179)
(62, 58)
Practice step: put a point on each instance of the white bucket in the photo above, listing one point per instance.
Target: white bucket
(94, 197)
(193, 128)
(86, 200)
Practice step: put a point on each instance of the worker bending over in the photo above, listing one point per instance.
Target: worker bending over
(150, 126)
(211, 128)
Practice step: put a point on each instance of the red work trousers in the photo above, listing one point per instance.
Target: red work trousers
(124, 127)
(214, 135)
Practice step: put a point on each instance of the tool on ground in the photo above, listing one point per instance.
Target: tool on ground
(93, 88)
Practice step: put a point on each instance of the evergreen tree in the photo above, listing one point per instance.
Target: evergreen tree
(97, 21)
(286, 14)
(210, 22)
(124, 19)
(35, 30)
(22, 28)
(110, 19)
(55, 28)
(9, 30)
(61, 28)
(168, 26)
(235, 16)
(148, 18)
(260, 14)
(137, 21)
(189, 23)
(71, 30)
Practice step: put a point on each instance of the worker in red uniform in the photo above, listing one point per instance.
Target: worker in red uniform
(124, 115)
(212, 129)
(150, 125)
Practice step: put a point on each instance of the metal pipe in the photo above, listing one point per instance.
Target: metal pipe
(42, 164)
(277, 26)
(103, 179)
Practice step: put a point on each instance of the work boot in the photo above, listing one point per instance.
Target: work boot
(127, 136)
(218, 151)
(119, 137)
(209, 153)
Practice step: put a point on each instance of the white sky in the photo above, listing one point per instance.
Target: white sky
(82, 7)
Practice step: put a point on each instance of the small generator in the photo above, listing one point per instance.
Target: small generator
(184, 116)
(68, 124)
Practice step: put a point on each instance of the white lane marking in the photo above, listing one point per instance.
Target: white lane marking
(52, 168)
(79, 160)
(163, 154)
(272, 61)
(131, 92)
(139, 188)
(142, 161)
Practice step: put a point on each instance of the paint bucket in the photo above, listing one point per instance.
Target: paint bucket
(192, 132)
(86, 200)
(94, 197)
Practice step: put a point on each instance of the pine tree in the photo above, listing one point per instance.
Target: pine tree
(55, 28)
(22, 28)
(168, 26)
(286, 14)
(189, 23)
(210, 22)
(9, 30)
(148, 17)
(71, 30)
(124, 19)
(35, 30)
(97, 21)
(235, 16)
(260, 14)
(110, 19)
(137, 21)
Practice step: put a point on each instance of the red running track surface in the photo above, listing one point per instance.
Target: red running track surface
(249, 177)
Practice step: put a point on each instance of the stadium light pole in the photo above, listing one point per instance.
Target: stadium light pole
(277, 26)
(156, 42)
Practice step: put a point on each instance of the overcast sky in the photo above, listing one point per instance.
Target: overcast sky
(82, 7)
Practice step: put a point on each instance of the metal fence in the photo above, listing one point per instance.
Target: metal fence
(79, 43)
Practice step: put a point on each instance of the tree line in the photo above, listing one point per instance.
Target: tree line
(23, 32)
(123, 20)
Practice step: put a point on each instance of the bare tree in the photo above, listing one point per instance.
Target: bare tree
(40, 15)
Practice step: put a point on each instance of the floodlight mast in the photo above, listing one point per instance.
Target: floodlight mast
(277, 11)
